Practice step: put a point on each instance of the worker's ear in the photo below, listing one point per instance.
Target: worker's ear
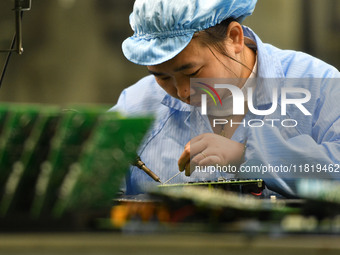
(235, 37)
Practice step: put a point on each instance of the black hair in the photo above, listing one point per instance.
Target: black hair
(215, 37)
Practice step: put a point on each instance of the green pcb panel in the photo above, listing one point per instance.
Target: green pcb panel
(74, 128)
(16, 128)
(18, 189)
(93, 181)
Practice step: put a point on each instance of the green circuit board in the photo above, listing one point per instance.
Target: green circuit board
(95, 179)
(244, 186)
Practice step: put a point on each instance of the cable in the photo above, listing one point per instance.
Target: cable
(12, 47)
(7, 59)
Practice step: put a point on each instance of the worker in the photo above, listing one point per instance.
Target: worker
(285, 128)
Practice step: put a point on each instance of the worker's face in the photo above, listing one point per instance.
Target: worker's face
(195, 61)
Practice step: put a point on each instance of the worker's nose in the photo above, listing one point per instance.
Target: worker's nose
(183, 93)
(183, 90)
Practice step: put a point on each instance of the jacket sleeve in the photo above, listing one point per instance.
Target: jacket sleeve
(281, 162)
(312, 154)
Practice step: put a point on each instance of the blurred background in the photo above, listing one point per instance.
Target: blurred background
(72, 48)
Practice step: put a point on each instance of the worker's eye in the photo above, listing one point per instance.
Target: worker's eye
(164, 78)
(194, 73)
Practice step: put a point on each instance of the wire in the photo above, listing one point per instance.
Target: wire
(7, 59)
(10, 51)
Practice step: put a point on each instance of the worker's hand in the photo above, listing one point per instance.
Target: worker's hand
(210, 149)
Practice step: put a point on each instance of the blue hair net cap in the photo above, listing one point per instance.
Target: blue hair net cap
(163, 28)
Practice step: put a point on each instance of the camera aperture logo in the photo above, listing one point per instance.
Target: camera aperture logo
(204, 97)
(239, 98)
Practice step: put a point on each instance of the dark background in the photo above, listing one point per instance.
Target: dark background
(72, 48)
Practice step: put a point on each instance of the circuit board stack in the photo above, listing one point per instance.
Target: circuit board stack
(57, 164)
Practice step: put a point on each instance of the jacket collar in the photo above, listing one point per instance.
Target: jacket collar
(176, 104)
(269, 73)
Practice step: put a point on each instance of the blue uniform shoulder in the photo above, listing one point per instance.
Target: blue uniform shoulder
(145, 96)
(296, 64)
